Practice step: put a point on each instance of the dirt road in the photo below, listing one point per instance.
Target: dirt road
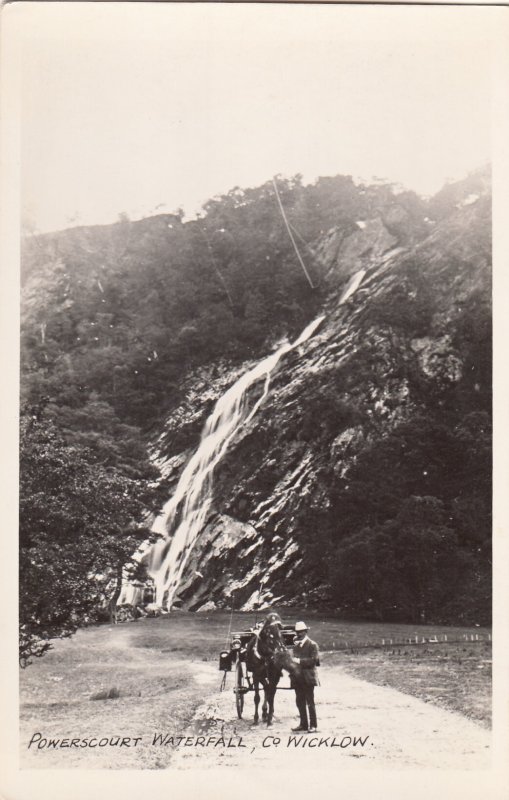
(170, 710)
(360, 725)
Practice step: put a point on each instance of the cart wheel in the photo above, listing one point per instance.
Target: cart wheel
(240, 688)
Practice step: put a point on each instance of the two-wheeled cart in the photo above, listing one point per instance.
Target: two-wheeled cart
(234, 660)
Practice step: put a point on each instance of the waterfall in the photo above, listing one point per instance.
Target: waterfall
(184, 515)
(352, 285)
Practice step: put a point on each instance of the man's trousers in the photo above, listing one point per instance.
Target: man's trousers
(305, 699)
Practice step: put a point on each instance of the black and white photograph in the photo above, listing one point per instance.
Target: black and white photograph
(254, 399)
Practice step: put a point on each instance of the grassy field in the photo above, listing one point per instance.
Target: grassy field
(453, 676)
(157, 666)
(204, 635)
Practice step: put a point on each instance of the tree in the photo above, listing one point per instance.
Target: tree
(80, 519)
(408, 567)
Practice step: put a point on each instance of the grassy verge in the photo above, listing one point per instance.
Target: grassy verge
(453, 676)
(158, 689)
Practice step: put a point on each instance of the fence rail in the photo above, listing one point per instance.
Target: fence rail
(470, 638)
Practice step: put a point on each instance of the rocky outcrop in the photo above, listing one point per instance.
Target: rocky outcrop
(227, 548)
(367, 370)
(359, 247)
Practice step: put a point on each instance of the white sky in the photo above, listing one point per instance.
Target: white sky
(130, 106)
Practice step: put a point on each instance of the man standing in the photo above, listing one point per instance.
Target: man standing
(304, 680)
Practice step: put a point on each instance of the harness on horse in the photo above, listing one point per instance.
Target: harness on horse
(256, 633)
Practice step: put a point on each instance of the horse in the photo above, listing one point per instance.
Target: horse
(266, 657)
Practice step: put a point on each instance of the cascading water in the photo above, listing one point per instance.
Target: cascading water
(168, 557)
(184, 515)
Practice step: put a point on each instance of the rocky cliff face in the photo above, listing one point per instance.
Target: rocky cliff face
(410, 344)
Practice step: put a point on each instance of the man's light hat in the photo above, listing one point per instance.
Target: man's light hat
(301, 626)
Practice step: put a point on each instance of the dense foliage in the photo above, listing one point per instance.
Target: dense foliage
(83, 502)
(414, 533)
(126, 310)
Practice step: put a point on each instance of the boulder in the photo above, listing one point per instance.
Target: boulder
(106, 694)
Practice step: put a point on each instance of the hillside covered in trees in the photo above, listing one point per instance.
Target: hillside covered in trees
(131, 331)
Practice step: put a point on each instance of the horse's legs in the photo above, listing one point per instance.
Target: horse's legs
(265, 700)
(256, 699)
(271, 692)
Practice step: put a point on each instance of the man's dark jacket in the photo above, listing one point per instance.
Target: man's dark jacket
(307, 651)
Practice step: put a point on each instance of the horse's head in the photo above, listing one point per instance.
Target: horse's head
(270, 640)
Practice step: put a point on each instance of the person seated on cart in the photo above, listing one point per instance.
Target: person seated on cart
(307, 656)
(256, 628)
(273, 619)
(270, 619)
